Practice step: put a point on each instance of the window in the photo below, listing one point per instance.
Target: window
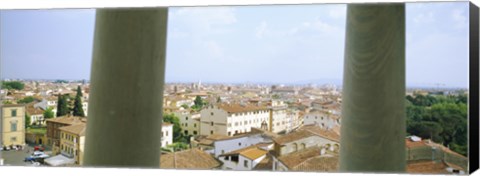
(245, 163)
(186, 118)
(229, 133)
(194, 125)
(239, 144)
(315, 117)
(295, 147)
(195, 132)
(211, 123)
(162, 133)
(13, 139)
(14, 112)
(211, 113)
(223, 151)
(166, 133)
(186, 132)
(13, 126)
(211, 131)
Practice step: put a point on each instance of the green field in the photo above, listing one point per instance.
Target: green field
(37, 130)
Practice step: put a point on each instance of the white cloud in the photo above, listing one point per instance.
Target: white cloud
(213, 49)
(203, 18)
(313, 28)
(424, 18)
(459, 18)
(261, 30)
(338, 12)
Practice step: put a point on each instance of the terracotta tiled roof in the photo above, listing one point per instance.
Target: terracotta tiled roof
(310, 159)
(236, 108)
(322, 132)
(69, 120)
(33, 111)
(188, 159)
(297, 135)
(78, 129)
(265, 164)
(427, 167)
(307, 131)
(251, 152)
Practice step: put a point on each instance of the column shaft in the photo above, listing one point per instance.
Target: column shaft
(373, 108)
(127, 78)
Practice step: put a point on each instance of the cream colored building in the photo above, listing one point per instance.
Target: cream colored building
(189, 122)
(13, 120)
(230, 119)
(72, 141)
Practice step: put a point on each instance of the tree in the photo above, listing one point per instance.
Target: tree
(62, 106)
(26, 100)
(17, 85)
(27, 121)
(79, 91)
(178, 146)
(78, 107)
(177, 131)
(48, 114)
(184, 106)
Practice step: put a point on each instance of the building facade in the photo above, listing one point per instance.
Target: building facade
(167, 134)
(13, 120)
(72, 142)
(231, 119)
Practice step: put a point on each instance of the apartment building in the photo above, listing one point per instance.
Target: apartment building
(322, 118)
(189, 122)
(231, 119)
(13, 120)
(72, 141)
(167, 134)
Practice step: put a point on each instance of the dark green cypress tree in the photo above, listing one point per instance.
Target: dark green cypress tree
(78, 107)
(62, 107)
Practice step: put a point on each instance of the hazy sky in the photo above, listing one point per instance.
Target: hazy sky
(288, 44)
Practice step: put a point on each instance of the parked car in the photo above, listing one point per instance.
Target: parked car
(38, 148)
(37, 153)
(29, 158)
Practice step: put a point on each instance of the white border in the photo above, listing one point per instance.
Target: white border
(52, 4)
(49, 4)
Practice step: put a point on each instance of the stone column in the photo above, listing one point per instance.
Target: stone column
(373, 109)
(127, 78)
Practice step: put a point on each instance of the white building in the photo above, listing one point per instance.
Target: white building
(321, 118)
(230, 119)
(229, 144)
(189, 122)
(243, 159)
(167, 134)
(85, 108)
(280, 119)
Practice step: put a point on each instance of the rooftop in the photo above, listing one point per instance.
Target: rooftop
(310, 159)
(69, 120)
(236, 108)
(188, 159)
(78, 129)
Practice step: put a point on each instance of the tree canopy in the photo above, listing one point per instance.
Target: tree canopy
(441, 118)
(48, 113)
(17, 85)
(62, 106)
(77, 106)
(26, 100)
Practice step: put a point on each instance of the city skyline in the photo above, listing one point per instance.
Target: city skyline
(241, 44)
